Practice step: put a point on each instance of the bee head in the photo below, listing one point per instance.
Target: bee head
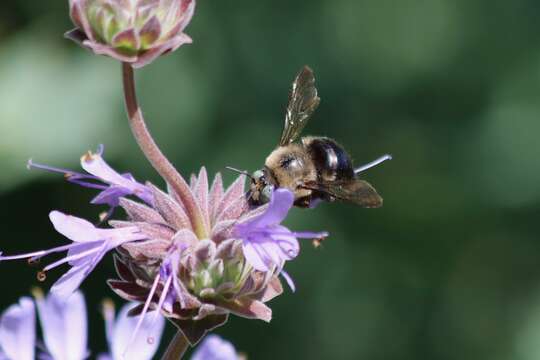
(261, 188)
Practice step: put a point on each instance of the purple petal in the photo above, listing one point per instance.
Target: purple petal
(74, 253)
(111, 196)
(18, 330)
(289, 280)
(280, 204)
(146, 342)
(254, 258)
(214, 348)
(74, 228)
(64, 326)
(95, 165)
(287, 242)
(69, 282)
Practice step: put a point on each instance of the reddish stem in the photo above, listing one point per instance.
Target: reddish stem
(177, 347)
(152, 152)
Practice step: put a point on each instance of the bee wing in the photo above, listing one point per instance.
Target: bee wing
(357, 191)
(303, 101)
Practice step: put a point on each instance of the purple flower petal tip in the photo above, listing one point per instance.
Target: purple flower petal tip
(100, 176)
(215, 348)
(64, 324)
(17, 331)
(266, 243)
(124, 343)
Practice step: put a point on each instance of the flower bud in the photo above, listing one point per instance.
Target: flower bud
(132, 31)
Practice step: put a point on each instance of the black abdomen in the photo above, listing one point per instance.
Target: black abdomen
(331, 160)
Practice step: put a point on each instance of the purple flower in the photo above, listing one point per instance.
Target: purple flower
(136, 32)
(18, 331)
(64, 326)
(89, 246)
(191, 267)
(102, 177)
(215, 348)
(266, 243)
(122, 343)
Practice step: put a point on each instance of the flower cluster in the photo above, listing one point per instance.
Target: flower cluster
(194, 253)
(64, 327)
(132, 31)
(163, 263)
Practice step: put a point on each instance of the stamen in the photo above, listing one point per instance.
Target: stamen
(76, 180)
(87, 157)
(30, 165)
(70, 175)
(150, 340)
(144, 311)
(317, 243)
(102, 250)
(41, 276)
(37, 254)
(162, 299)
(72, 258)
(373, 163)
(33, 261)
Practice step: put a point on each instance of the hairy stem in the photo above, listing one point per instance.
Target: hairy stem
(177, 347)
(152, 152)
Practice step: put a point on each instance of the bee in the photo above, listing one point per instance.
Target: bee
(315, 169)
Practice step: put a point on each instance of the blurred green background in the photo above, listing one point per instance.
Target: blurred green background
(449, 268)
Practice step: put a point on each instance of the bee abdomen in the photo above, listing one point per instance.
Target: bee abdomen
(331, 160)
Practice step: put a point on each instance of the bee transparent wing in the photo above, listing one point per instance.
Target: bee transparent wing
(303, 101)
(357, 191)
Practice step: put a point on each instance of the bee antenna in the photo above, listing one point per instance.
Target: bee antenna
(373, 163)
(243, 172)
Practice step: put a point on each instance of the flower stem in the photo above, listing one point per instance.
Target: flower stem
(152, 152)
(177, 347)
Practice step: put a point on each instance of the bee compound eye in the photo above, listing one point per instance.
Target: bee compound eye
(258, 175)
(266, 193)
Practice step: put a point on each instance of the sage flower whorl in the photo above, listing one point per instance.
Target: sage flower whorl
(132, 31)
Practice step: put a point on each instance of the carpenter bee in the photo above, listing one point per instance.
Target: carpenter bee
(315, 168)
